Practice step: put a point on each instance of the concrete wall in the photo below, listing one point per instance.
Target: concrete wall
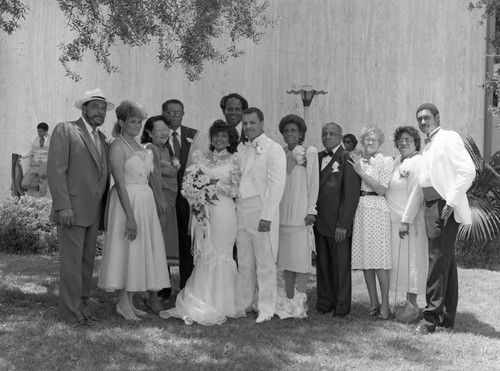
(377, 59)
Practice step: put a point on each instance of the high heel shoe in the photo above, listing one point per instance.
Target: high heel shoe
(122, 313)
(390, 316)
(374, 312)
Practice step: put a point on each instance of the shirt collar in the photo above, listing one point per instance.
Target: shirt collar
(434, 132)
(334, 150)
(89, 128)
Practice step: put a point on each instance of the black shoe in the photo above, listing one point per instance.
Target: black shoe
(164, 294)
(321, 311)
(82, 323)
(423, 330)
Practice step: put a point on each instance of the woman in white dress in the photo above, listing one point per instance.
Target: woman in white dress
(371, 236)
(133, 255)
(409, 254)
(209, 295)
(297, 216)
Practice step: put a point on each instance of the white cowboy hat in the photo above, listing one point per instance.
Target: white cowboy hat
(95, 94)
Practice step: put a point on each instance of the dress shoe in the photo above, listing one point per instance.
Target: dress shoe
(82, 323)
(164, 294)
(321, 311)
(263, 318)
(374, 312)
(93, 318)
(423, 329)
(339, 315)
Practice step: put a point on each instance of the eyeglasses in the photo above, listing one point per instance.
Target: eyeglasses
(370, 140)
(424, 118)
(175, 113)
(405, 140)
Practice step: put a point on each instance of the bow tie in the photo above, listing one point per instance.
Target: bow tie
(329, 153)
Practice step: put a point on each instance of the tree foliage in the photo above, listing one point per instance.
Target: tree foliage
(11, 12)
(185, 31)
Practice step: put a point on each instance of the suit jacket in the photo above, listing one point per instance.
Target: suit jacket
(263, 165)
(338, 194)
(451, 171)
(77, 177)
(187, 137)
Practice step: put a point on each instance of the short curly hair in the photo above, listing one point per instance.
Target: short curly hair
(296, 120)
(372, 129)
(220, 126)
(412, 132)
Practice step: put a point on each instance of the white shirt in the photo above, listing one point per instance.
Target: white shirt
(90, 129)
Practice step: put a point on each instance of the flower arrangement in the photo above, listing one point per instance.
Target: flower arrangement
(299, 154)
(200, 191)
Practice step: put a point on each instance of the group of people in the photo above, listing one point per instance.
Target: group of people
(245, 213)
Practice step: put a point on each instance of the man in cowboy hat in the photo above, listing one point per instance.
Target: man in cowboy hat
(78, 176)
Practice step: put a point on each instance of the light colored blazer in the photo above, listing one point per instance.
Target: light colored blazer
(263, 165)
(77, 178)
(451, 171)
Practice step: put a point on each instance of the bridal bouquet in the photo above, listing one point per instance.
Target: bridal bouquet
(199, 190)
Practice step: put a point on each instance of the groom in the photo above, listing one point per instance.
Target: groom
(263, 166)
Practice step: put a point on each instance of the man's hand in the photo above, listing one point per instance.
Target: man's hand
(310, 219)
(340, 234)
(445, 214)
(264, 226)
(404, 230)
(65, 217)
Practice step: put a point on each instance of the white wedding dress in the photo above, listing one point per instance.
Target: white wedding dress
(209, 295)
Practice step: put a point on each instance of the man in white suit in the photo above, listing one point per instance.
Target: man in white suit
(446, 173)
(263, 165)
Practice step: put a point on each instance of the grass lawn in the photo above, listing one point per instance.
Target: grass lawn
(32, 338)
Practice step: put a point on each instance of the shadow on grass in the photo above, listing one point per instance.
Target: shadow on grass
(471, 325)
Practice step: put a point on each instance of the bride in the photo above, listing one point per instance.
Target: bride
(210, 185)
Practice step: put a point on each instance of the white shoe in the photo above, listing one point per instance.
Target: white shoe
(263, 318)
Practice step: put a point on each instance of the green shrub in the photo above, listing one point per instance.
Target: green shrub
(25, 227)
(485, 254)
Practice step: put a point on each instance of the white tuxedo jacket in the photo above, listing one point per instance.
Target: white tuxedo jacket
(263, 165)
(448, 165)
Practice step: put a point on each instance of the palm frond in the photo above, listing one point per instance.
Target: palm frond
(484, 199)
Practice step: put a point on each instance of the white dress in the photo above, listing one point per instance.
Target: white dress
(141, 264)
(371, 236)
(410, 253)
(209, 295)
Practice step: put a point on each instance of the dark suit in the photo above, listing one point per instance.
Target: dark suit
(337, 202)
(182, 208)
(79, 180)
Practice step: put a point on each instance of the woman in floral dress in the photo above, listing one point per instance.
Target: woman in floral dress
(371, 236)
(297, 215)
(210, 185)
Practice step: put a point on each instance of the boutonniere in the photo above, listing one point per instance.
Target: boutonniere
(335, 167)
(403, 173)
(258, 149)
(299, 154)
(189, 140)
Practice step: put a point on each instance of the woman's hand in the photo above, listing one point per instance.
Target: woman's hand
(131, 229)
(404, 230)
(356, 163)
(310, 219)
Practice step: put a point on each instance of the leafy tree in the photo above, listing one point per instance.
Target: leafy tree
(184, 30)
(11, 12)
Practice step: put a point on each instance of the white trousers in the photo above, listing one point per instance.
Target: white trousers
(256, 278)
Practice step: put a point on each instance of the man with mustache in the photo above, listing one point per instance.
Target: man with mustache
(78, 176)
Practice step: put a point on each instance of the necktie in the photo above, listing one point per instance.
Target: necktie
(177, 145)
(97, 142)
(42, 142)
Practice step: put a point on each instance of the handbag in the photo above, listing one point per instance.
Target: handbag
(405, 312)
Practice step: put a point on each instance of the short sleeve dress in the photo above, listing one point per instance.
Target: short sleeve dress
(371, 236)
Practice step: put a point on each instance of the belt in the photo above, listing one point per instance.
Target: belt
(364, 193)
(430, 194)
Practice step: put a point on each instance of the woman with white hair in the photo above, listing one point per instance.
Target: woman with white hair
(371, 237)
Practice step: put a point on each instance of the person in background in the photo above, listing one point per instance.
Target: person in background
(338, 197)
(155, 135)
(410, 259)
(179, 144)
(446, 173)
(36, 175)
(350, 142)
(371, 236)
(133, 258)
(297, 216)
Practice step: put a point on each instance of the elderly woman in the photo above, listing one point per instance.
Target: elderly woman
(409, 255)
(155, 136)
(297, 211)
(133, 255)
(371, 237)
